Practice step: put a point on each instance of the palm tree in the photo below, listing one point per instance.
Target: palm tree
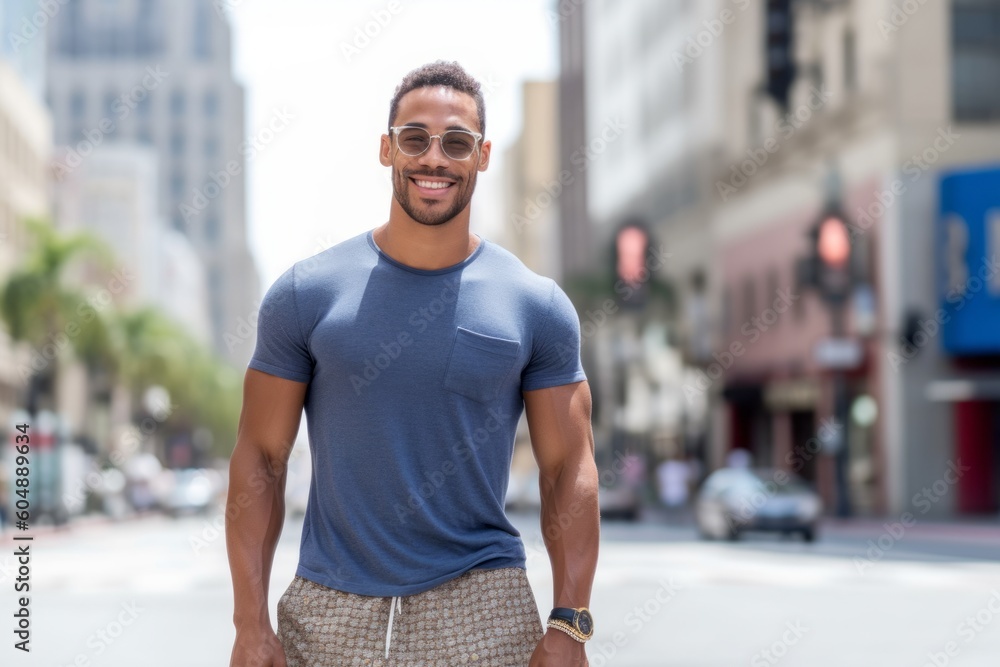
(39, 307)
(152, 349)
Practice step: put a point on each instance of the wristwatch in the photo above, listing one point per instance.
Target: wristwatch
(577, 623)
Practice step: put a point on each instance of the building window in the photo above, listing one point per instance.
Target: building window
(177, 103)
(176, 186)
(177, 143)
(976, 60)
(211, 147)
(202, 32)
(211, 104)
(144, 106)
(212, 227)
(78, 105)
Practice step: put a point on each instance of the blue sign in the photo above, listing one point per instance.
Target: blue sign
(968, 261)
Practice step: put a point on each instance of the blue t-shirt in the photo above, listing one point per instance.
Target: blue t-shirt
(415, 381)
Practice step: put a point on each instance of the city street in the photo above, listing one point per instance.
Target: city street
(156, 592)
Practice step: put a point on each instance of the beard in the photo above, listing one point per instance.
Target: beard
(433, 213)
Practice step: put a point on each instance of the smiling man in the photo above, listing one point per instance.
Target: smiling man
(414, 348)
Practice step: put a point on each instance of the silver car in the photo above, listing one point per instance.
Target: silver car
(733, 501)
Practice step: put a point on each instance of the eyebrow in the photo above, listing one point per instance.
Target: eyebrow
(450, 127)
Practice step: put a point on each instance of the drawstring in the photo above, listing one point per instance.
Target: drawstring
(396, 601)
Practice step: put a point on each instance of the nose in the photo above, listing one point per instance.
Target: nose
(434, 155)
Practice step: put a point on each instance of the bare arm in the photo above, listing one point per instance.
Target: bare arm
(255, 507)
(563, 444)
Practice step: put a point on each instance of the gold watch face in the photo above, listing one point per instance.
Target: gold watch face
(585, 622)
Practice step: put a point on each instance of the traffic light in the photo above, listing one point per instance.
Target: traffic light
(828, 266)
(780, 50)
(631, 269)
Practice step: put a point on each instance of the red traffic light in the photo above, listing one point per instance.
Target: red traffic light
(834, 243)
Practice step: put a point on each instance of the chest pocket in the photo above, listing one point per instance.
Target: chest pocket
(479, 364)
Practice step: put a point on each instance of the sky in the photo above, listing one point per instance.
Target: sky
(324, 72)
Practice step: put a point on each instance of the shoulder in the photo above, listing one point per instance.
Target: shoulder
(321, 273)
(531, 288)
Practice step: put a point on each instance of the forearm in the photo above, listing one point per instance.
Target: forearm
(255, 512)
(571, 530)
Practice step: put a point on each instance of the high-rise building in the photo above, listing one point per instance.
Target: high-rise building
(25, 148)
(159, 73)
(533, 184)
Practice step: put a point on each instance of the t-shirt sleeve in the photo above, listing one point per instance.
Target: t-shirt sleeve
(281, 348)
(555, 350)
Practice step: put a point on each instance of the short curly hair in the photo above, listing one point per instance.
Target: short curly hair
(440, 73)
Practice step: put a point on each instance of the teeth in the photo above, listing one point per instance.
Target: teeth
(433, 185)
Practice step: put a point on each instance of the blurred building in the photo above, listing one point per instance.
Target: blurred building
(652, 129)
(25, 148)
(575, 247)
(533, 184)
(734, 129)
(159, 74)
(113, 194)
(872, 108)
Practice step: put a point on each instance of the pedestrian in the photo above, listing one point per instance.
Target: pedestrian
(413, 349)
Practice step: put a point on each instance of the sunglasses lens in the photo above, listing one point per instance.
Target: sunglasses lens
(458, 145)
(413, 140)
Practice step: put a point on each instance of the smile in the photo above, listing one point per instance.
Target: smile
(432, 185)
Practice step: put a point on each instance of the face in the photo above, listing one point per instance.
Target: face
(431, 187)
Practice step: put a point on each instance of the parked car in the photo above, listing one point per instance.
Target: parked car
(193, 491)
(733, 501)
(620, 501)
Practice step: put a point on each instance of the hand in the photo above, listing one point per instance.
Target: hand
(257, 648)
(557, 649)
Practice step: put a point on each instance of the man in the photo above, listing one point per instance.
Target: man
(414, 348)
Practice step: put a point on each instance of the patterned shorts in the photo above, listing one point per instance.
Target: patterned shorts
(323, 627)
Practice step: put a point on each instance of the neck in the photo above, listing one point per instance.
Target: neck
(426, 247)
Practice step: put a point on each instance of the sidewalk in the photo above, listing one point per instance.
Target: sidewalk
(984, 530)
(979, 530)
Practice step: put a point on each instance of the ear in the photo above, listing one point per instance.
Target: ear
(385, 151)
(484, 155)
